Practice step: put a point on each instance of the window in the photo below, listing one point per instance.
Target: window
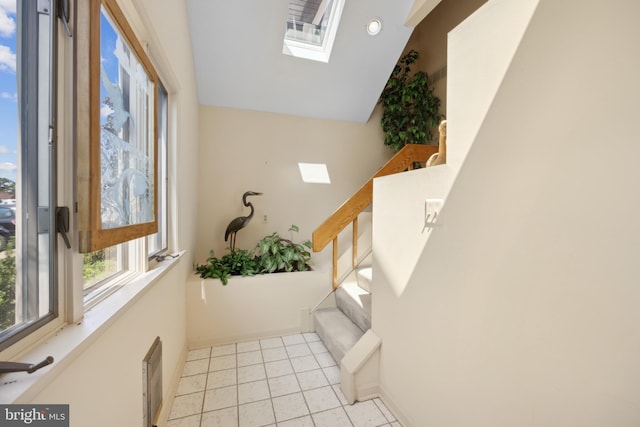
(28, 287)
(119, 204)
(311, 28)
(122, 217)
(120, 123)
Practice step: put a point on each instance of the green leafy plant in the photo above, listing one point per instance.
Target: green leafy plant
(236, 263)
(93, 266)
(410, 109)
(8, 287)
(278, 254)
(272, 254)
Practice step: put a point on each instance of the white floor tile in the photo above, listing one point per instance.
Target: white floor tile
(222, 362)
(191, 384)
(227, 417)
(223, 378)
(286, 384)
(336, 417)
(304, 363)
(365, 414)
(195, 367)
(312, 379)
(298, 422)
(203, 353)
(242, 347)
(317, 347)
(325, 360)
(223, 350)
(189, 404)
(219, 398)
(293, 339)
(289, 406)
(256, 414)
(249, 358)
(321, 399)
(292, 380)
(192, 421)
(385, 411)
(271, 343)
(252, 392)
(273, 354)
(333, 374)
(278, 368)
(247, 374)
(298, 350)
(311, 337)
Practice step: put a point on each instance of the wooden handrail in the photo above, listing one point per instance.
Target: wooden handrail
(348, 213)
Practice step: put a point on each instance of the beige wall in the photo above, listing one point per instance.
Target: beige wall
(247, 150)
(430, 39)
(522, 310)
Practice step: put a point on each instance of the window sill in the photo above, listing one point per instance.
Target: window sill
(70, 341)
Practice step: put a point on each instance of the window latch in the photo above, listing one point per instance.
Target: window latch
(63, 14)
(62, 224)
(30, 368)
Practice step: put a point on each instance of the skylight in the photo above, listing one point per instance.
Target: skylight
(314, 173)
(311, 28)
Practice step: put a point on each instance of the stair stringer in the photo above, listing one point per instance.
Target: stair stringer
(360, 369)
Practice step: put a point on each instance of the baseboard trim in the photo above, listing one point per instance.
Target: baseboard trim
(394, 408)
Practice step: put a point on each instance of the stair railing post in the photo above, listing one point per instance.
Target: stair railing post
(354, 243)
(335, 263)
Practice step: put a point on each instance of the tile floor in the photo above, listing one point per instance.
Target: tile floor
(287, 381)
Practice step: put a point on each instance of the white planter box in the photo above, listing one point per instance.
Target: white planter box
(252, 307)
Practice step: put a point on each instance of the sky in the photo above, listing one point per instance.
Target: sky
(8, 90)
(8, 82)
(108, 37)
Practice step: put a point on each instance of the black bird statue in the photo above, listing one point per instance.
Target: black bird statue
(241, 222)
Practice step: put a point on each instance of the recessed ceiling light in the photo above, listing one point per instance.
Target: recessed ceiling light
(374, 26)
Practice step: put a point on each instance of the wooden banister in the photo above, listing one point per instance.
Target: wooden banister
(348, 213)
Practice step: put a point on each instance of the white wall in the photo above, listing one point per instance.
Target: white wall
(252, 307)
(485, 44)
(103, 386)
(522, 310)
(247, 150)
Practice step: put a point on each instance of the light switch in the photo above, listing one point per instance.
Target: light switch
(432, 209)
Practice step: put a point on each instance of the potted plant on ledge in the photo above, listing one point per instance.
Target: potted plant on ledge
(272, 254)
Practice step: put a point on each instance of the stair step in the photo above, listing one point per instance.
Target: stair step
(364, 275)
(338, 333)
(355, 303)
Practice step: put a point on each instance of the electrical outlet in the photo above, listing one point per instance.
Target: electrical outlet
(265, 219)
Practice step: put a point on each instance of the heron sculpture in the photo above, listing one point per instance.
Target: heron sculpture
(241, 222)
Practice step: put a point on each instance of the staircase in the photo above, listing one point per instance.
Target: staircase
(341, 327)
(345, 327)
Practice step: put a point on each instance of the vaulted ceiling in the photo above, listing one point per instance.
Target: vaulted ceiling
(237, 47)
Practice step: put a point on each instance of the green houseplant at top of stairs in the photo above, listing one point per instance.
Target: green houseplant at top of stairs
(410, 108)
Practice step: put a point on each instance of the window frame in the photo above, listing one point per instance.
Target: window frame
(38, 130)
(162, 173)
(92, 236)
